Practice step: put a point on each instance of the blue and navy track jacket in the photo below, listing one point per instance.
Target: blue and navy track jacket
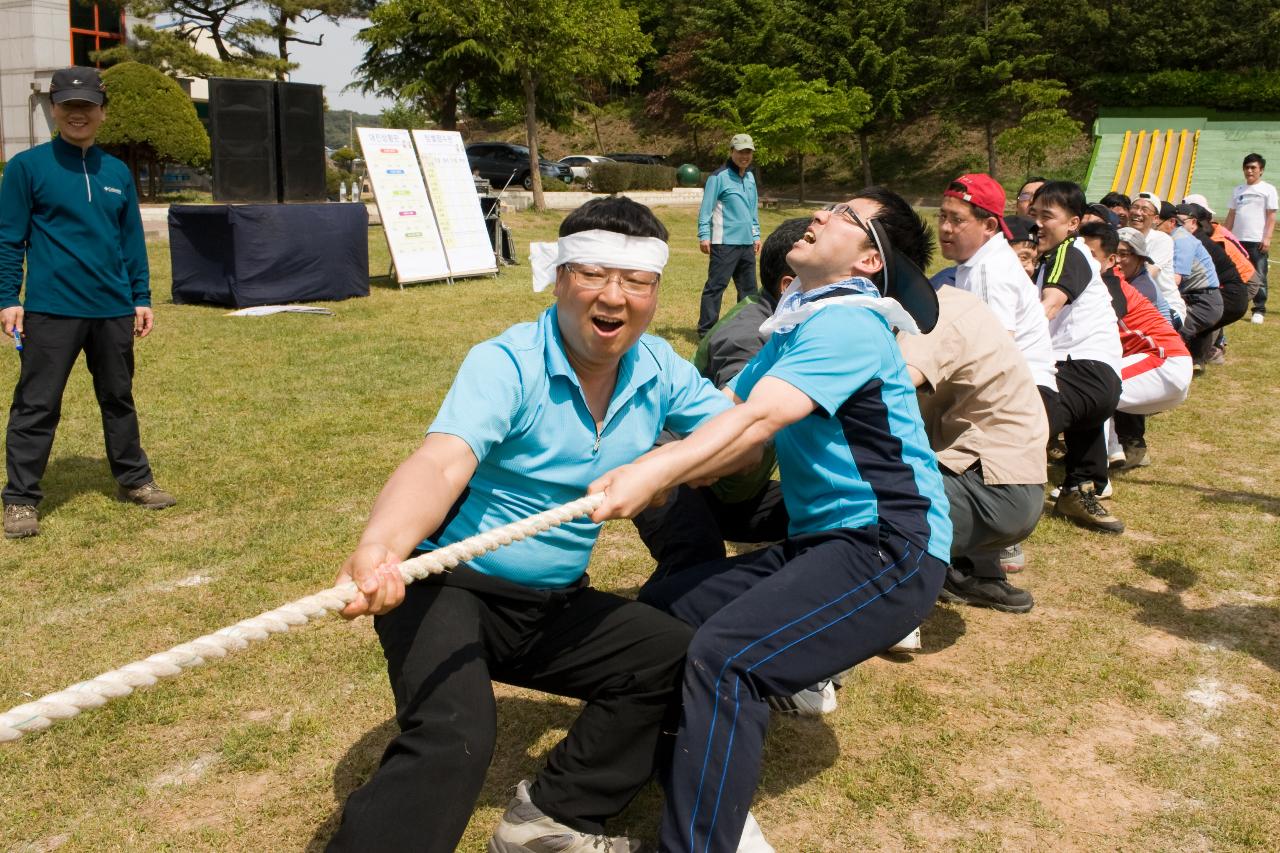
(728, 214)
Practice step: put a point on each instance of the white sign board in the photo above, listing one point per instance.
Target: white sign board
(467, 241)
(403, 204)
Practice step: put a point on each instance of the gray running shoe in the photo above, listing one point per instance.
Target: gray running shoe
(525, 828)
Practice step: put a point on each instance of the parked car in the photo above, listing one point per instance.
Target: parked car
(500, 162)
(580, 165)
(644, 159)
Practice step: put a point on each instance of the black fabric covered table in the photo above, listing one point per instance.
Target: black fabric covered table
(268, 254)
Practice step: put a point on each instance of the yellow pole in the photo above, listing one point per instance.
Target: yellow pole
(1146, 170)
(1177, 163)
(1133, 164)
(1191, 170)
(1124, 151)
(1161, 188)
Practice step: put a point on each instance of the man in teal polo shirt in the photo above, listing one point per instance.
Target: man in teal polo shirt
(70, 211)
(729, 230)
(533, 416)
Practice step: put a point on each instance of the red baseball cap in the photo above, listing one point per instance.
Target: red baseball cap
(982, 191)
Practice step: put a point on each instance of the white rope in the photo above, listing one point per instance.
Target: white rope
(40, 714)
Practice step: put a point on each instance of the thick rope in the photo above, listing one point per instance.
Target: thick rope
(40, 714)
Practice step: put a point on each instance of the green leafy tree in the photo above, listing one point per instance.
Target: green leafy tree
(173, 49)
(406, 116)
(151, 121)
(278, 25)
(788, 115)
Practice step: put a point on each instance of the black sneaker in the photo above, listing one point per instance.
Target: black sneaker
(995, 593)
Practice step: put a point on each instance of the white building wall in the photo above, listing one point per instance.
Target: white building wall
(35, 41)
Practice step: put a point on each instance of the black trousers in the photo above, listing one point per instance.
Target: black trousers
(457, 633)
(692, 526)
(1204, 310)
(1087, 394)
(1259, 259)
(1131, 429)
(50, 347)
(770, 623)
(738, 262)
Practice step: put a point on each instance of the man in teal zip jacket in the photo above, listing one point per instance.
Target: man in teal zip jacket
(729, 230)
(70, 211)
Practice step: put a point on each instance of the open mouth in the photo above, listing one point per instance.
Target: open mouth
(809, 237)
(606, 325)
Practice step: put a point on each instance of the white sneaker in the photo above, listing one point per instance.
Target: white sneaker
(811, 702)
(1102, 495)
(909, 643)
(1258, 318)
(524, 828)
(752, 840)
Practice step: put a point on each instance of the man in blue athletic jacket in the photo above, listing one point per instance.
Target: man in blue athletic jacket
(70, 210)
(869, 535)
(729, 230)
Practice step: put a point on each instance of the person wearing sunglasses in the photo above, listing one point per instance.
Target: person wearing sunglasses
(533, 416)
(1026, 193)
(869, 535)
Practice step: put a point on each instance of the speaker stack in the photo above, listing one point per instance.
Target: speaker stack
(268, 141)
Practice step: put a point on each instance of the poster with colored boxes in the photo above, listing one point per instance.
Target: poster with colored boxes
(407, 219)
(467, 241)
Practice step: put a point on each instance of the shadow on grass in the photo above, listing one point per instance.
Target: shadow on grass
(1251, 628)
(798, 750)
(688, 334)
(68, 476)
(1266, 503)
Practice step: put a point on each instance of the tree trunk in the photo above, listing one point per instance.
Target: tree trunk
(991, 149)
(133, 169)
(531, 135)
(697, 153)
(449, 109)
(864, 145)
(151, 179)
(282, 42)
(802, 180)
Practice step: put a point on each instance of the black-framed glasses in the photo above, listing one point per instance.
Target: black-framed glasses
(850, 214)
(632, 282)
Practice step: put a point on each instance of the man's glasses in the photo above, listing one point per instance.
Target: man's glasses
(850, 214)
(632, 282)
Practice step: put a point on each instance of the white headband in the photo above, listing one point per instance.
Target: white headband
(606, 248)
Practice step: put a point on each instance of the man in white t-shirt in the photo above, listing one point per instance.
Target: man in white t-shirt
(1144, 215)
(1252, 218)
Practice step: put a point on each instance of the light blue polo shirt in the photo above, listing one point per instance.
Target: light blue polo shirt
(862, 456)
(518, 404)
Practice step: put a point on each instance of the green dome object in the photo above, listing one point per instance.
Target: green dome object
(688, 175)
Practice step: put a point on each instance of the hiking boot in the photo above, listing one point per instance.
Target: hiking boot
(811, 702)
(1135, 456)
(148, 496)
(1080, 505)
(996, 593)
(20, 521)
(525, 828)
(1057, 449)
(1012, 559)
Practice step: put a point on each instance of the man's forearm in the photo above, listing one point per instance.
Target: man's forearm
(721, 446)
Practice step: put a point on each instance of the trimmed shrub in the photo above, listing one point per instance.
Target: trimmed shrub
(618, 177)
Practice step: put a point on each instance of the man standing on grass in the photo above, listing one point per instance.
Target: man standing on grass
(729, 230)
(1252, 217)
(70, 211)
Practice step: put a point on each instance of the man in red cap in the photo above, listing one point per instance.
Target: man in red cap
(973, 233)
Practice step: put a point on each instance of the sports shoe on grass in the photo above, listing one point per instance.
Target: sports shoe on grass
(1012, 559)
(752, 840)
(148, 495)
(1217, 355)
(524, 828)
(996, 593)
(1080, 505)
(1136, 456)
(909, 643)
(811, 702)
(1258, 318)
(20, 521)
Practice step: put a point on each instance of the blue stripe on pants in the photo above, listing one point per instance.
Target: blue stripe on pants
(773, 622)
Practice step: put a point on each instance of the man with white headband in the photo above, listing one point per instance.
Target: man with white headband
(533, 416)
(869, 534)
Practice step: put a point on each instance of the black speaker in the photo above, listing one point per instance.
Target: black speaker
(242, 128)
(300, 116)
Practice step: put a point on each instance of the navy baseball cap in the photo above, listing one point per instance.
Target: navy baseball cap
(77, 83)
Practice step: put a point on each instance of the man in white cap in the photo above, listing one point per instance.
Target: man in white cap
(1144, 215)
(69, 210)
(533, 416)
(729, 230)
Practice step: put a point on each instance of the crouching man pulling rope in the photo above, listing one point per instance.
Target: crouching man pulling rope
(533, 416)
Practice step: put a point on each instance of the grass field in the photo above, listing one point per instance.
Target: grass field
(1135, 708)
